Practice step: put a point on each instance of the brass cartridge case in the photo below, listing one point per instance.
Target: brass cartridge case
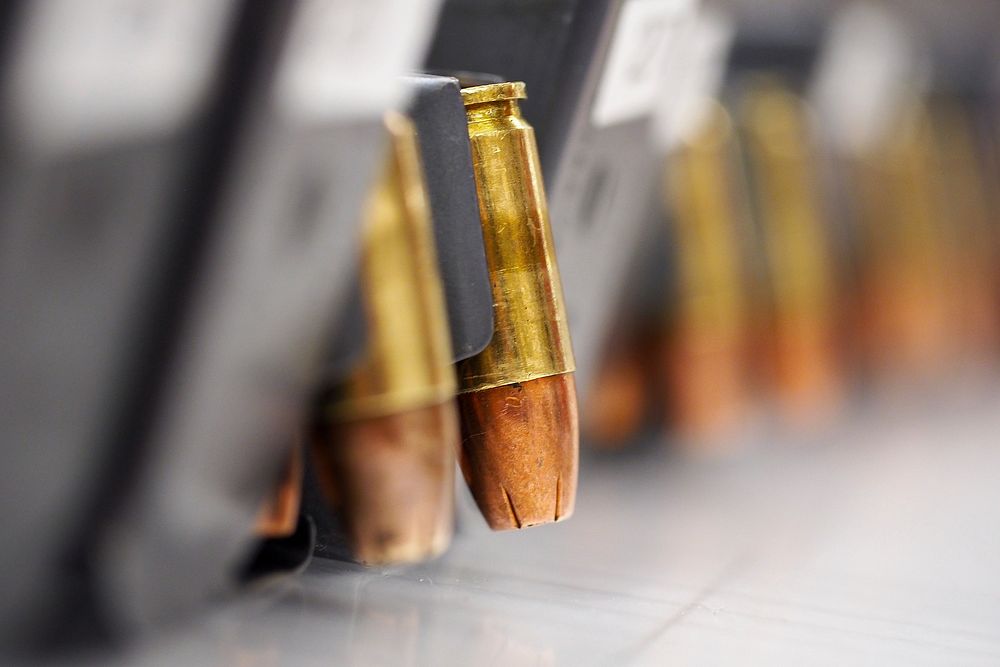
(408, 362)
(531, 338)
(801, 341)
(386, 448)
(700, 187)
(517, 397)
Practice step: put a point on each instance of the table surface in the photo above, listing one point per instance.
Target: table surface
(875, 543)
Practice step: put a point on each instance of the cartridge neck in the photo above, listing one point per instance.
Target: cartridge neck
(493, 101)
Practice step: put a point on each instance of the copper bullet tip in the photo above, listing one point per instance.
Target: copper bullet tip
(392, 480)
(520, 451)
(279, 513)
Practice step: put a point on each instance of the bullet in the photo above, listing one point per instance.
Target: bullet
(905, 296)
(517, 398)
(619, 400)
(386, 442)
(704, 354)
(279, 514)
(800, 339)
(963, 197)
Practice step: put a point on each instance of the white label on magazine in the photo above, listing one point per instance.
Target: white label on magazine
(868, 69)
(99, 70)
(696, 70)
(637, 58)
(344, 57)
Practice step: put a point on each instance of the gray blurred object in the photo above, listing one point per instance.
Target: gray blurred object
(257, 336)
(167, 310)
(961, 35)
(104, 106)
(779, 19)
(872, 546)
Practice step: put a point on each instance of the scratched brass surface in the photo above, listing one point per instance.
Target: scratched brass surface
(407, 364)
(531, 338)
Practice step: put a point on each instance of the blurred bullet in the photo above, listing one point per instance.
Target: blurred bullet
(800, 341)
(905, 282)
(386, 445)
(704, 351)
(520, 435)
(963, 201)
(620, 399)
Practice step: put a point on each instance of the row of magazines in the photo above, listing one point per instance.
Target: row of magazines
(279, 279)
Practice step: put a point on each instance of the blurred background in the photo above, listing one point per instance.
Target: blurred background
(255, 263)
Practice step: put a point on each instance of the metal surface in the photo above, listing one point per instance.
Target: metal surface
(873, 545)
(531, 337)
